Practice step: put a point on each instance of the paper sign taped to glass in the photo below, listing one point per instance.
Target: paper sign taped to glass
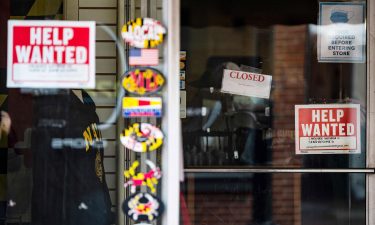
(141, 107)
(342, 32)
(142, 137)
(328, 129)
(143, 81)
(246, 83)
(51, 54)
(182, 104)
(143, 33)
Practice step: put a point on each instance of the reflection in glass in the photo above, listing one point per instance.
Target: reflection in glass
(270, 199)
(260, 37)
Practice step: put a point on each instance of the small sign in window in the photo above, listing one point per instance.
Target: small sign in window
(341, 32)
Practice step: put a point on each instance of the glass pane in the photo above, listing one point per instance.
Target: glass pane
(277, 38)
(62, 126)
(270, 199)
(56, 165)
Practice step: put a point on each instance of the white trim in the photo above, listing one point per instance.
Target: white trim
(171, 121)
(370, 179)
(370, 153)
(370, 84)
(121, 67)
(253, 170)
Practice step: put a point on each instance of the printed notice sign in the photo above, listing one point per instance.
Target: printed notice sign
(246, 83)
(327, 129)
(51, 54)
(182, 104)
(341, 32)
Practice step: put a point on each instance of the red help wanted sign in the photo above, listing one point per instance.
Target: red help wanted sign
(51, 54)
(327, 129)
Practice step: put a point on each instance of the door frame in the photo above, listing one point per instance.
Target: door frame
(370, 150)
(172, 165)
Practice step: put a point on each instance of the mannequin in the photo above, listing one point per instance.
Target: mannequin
(78, 93)
(68, 180)
(72, 175)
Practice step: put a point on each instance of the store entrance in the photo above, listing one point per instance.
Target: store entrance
(245, 66)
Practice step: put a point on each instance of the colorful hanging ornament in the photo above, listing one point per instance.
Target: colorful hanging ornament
(143, 207)
(143, 81)
(142, 137)
(143, 33)
(149, 179)
(141, 107)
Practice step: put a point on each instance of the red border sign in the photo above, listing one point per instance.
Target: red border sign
(51, 54)
(328, 129)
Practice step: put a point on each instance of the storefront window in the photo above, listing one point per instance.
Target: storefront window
(83, 112)
(267, 85)
(274, 103)
(53, 156)
(263, 198)
(268, 38)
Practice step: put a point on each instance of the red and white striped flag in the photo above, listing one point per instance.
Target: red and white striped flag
(143, 57)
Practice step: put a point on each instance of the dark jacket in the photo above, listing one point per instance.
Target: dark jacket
(69, 186)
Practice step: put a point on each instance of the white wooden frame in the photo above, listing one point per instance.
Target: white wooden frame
(171, 155)
(370, 178)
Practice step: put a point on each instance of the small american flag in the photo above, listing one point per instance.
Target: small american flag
(143, 57)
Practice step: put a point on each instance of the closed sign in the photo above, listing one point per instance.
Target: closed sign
(246, 83)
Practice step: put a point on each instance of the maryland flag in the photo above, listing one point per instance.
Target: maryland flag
(141, 107)
(142, 137)
(143, 33)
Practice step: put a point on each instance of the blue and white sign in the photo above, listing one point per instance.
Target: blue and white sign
(342, 32)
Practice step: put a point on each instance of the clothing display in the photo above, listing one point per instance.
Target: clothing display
(69, 186)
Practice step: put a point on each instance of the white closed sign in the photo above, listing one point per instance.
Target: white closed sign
(246, 83)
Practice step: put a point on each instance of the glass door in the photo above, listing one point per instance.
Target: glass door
(274, 111)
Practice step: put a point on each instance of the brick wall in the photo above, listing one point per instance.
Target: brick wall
(289, 90)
